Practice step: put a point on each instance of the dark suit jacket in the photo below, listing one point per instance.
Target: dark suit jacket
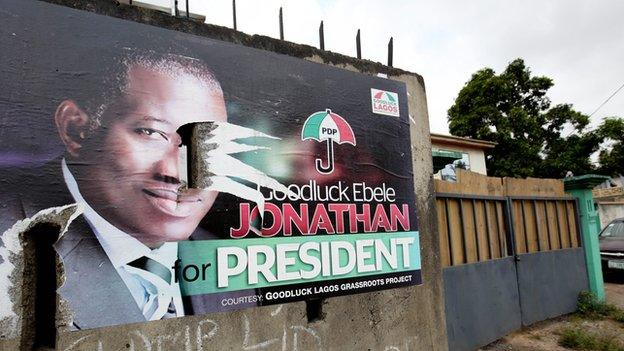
(94, 290)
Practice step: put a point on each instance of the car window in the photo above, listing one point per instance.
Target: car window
(614, 229)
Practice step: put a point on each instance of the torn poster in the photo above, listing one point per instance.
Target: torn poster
(294, 187)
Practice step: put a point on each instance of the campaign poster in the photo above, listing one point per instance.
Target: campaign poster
(203, 176)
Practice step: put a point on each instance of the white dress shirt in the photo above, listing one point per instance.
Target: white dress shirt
(150, 292)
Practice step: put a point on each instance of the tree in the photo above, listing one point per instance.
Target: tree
(512, 109)
(612, 160)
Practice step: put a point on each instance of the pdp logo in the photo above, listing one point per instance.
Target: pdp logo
(329, 127)
(385, 102)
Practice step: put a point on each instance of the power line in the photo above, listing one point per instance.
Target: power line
(607, 100)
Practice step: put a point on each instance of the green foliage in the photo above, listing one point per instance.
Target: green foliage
(578, 339)
(588, 306)
(612, 160)
(512, 109)
(618, 316)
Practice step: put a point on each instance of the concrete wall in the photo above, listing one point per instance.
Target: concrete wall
(609, 211)
(402, 319)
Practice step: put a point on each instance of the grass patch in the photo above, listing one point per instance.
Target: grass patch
(535, 337)
(578, 339)
(619, 316)
(590, 307)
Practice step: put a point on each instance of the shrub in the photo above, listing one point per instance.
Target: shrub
(578, 339)
(619, 316)
(590, 307)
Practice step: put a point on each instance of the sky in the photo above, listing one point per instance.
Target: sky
(579, 44)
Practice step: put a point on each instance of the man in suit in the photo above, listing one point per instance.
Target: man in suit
(121, 167)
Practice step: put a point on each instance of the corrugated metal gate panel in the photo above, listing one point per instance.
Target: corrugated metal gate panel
(509, 261)
(550, 282)
(482, 302)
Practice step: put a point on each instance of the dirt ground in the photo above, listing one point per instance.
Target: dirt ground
(615, 294)
(544, 336)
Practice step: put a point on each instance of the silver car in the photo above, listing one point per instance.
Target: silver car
(612, 247)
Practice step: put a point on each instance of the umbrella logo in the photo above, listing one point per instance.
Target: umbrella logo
(329, 127)
(385, 102)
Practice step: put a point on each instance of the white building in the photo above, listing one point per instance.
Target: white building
(446, 149)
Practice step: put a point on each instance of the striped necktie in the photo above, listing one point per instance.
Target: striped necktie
(152, 266)
(158, 269)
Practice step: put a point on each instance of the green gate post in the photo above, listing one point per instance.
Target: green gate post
(581, 188)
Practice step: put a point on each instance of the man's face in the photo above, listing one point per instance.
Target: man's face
(133, 179)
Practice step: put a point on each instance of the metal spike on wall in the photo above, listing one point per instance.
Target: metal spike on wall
(281, 24)
(321, 36)
(358, 46)
(234, 13)
(390, 52)
(358, 43)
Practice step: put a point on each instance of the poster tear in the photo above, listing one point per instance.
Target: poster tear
(62, 215)
(224, 167)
